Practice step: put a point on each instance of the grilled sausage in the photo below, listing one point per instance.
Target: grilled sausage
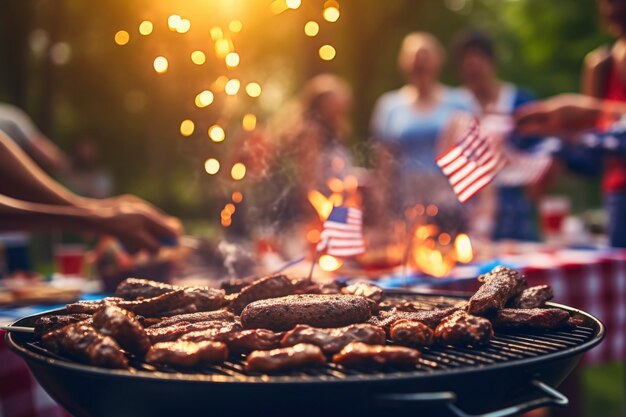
(499, 286)
(531, 319)
(285, 358)
(184, 353)
(430, 318)
(334, 339)
(359, 354)
(319, 310)
(411, 333)
(462, 329)
(269, 287)
(123, 327)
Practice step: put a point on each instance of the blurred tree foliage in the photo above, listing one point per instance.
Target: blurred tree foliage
(113, 94)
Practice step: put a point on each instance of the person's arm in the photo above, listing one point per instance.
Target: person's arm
(595, 72)
(136, 230)
(47, 154)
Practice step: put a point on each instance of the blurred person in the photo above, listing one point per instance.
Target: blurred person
(568, 116)
(16, 124)
(30, 200)
(85, 176)
(476, 63)
(408, 123)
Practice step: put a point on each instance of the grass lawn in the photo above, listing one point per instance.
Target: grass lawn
(605, 390)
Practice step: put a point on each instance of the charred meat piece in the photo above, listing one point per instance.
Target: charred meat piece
(499, 286)
(184, 353)
(269, 287)
(204, 330)
(532, 318)
(334, 339)
(533, 297)
(319, 310)
(90, 307)
(217, 315)
(235, 285)
(358, 354)
(430, 318)
(47, 324)
(462, 329)
(246, 341)
(412, 333)
(364, 289)
(155, 306)
(82, 342)
(196, 298)
(308, 286)
(298, 356)
(123, 327)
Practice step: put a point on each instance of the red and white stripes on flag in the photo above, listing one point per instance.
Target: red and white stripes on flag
(342, 233)
(472, 163)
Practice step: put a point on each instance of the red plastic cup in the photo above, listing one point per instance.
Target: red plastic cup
(70, 259)
(552, 211)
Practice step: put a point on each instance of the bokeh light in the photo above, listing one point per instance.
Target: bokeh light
(146, 27)
(204, 98)
(249, 122)
(222, 47)
(198, 57)
(235, 26)
(253, 89)
(327, 52)
(216, 133)
(183, 26)
(311, 28)
(230, 208)
(212, 166)
(237, 197)
(187, 127)
(121, 37)
(160, 64)
(238, 171)
(293, 4)
(232, 87)
(216, 33)
(331, 14)
(232, 59)
(173, 22)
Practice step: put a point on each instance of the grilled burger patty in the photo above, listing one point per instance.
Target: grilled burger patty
(319, 310)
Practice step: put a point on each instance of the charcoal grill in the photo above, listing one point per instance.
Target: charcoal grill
(514, 373)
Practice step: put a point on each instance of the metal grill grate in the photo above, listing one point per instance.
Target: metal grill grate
(504, 348)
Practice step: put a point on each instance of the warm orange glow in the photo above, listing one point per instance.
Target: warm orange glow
(238, 171)
(463, 248)
(216, 133)
(432, 210)
(230, 207)
(160, 64)
(331, 3)
(146, 27)
(248, 122)
(216, 33)
(232, 59)
(253, 89)
(220, 82)
(329, 263)
(222, 47)
(444, 239)
(278, 6)
(420, 209)
(198, 57)
(204, 98)
(235, 26)
(327, 52)
(311, 28)
(351, 183)
(173, 22)
(432, 261)
(232, 87)
(122, 37)
(293, 4)
(338, 164)
(335, 185)
(331, 14)
(322, 205)
(187, 127)
(425, 231)
(226, 222)
(183, 26)
(212, 166)
(313, 236)
(237, 197)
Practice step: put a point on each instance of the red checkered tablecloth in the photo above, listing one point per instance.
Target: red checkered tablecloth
(20, 394)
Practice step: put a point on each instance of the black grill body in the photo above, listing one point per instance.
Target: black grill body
(512, 374)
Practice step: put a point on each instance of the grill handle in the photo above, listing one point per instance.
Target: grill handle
(552, 398)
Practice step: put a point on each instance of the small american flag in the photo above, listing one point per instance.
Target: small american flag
(472, 163)
(342, 233)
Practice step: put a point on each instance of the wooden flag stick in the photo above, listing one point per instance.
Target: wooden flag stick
(313, 263)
